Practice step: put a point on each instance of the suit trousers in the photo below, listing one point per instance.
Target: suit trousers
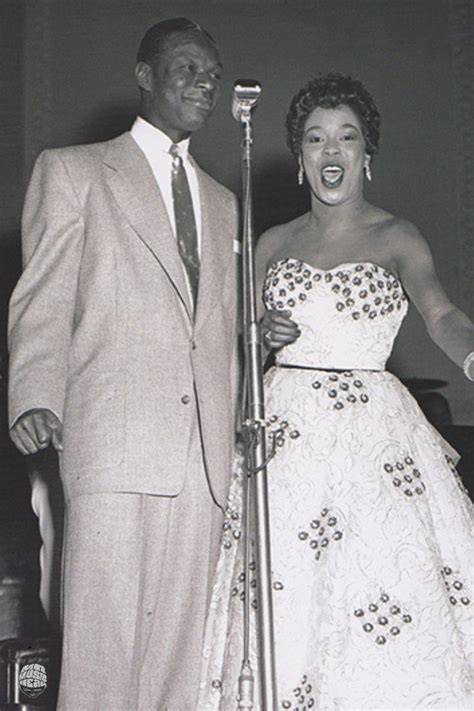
(137, 579)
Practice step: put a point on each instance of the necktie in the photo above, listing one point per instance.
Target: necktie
(186, 233)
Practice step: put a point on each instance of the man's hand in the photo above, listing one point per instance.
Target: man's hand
(278, 329)
(36, 430)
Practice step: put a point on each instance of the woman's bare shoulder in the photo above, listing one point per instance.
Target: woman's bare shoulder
(272, 240)
(405, 239)
(398, 235)
(397, 242)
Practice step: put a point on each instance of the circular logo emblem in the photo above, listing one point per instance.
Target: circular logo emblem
(33, 680)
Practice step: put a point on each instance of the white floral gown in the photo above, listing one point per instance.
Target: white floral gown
(372, 556)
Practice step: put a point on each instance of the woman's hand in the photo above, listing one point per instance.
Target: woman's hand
(278, 329)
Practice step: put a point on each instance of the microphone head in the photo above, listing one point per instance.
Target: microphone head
(245, 97)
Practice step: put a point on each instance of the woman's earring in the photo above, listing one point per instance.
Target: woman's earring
(300, 175)
(368, 172)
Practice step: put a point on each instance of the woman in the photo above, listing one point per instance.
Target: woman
(371, 530)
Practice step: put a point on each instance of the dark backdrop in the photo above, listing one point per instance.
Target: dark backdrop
(67, 77)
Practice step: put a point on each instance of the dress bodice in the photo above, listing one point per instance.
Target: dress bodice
(349, 316)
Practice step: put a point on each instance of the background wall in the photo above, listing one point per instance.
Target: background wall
(68, 75)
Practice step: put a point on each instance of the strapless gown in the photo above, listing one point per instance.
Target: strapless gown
(371, 529)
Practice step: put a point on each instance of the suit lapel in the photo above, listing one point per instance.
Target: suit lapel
(215, 249)
(135, 190)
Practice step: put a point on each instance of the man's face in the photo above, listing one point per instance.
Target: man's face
(180, 84)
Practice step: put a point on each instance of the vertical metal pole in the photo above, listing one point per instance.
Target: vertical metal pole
(256, 423)
(16, 682)
(246, 684)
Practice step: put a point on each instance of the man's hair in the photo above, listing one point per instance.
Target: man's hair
(154, 39)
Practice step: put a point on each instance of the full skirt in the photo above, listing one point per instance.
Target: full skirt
(372, 556)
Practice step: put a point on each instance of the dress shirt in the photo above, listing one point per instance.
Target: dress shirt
(156, 145)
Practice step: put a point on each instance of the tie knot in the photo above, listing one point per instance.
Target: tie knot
(177, 160)
(174, 153)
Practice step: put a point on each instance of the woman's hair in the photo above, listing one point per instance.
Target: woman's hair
(329, 92)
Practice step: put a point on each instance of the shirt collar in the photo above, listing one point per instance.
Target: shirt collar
(152, 140)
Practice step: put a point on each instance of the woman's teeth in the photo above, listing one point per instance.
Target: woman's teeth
(332, 176)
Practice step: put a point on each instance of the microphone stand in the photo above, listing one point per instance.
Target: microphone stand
(245, 98)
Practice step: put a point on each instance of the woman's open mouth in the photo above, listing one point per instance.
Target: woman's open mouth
(332, 176)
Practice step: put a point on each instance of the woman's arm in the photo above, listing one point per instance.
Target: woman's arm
(447, 325)
(277, 327)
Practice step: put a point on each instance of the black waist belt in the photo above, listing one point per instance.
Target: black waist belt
(329, 370)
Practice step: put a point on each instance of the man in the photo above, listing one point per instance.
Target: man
(123, 357)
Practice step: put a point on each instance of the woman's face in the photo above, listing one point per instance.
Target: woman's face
(333, 154)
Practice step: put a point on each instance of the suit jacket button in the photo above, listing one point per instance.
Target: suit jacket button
(185, 399)
(193, 345)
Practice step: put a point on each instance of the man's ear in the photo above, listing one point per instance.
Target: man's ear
(143, 75)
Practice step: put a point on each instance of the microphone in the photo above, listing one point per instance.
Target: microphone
(245, 97)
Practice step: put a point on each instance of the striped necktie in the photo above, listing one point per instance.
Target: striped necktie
(186, 233)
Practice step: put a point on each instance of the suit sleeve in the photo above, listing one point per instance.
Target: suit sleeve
(42, 304)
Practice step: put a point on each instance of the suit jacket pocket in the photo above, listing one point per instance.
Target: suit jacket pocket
(94, 421)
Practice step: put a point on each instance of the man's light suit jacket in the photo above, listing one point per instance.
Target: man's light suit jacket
(102, 330)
